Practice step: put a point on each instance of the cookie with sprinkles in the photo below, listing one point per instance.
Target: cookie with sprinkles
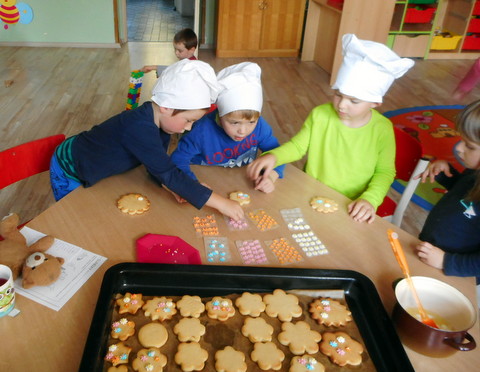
(130, 303)
(149, 360)
(329, 312)
(122, 329)
(118, 354)
(341, 348)
(306, 363)
(161, 308)
(220, 308)
(324, 205)
(241, 197)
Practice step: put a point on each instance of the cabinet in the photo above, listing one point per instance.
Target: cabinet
(412, 27)
(260, 28)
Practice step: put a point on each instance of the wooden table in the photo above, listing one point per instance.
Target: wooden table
(41, 339)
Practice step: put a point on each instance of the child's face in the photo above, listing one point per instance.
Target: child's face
(180, 122)
(182, 52)
(469, 152)
(236, 127)
(351, 109)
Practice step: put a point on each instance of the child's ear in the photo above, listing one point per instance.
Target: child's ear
(166, 110)
(376, 104)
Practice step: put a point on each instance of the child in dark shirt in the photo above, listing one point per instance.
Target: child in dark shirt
(181, 96)
(451, 234)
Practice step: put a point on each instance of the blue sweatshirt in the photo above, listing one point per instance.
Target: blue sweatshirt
(208, 144)
(454, 228)
(126, 141)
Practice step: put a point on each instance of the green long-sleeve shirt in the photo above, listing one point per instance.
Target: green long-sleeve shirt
(357, 162)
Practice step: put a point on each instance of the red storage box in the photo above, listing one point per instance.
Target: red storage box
(476, 8)
(474, 25)
(415, 15)
(471, 42)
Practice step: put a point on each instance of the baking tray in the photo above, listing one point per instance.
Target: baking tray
(371, 318)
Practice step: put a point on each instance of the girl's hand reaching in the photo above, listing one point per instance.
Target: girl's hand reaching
(260, 168)
(226, 206)
(430, 255)
(361, 211)
(434, 169)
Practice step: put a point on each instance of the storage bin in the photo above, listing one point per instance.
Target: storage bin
(411, 45)
(336, 3)
(422, 1)
(474, 25)
(445, 41)
(423, 15)
(472, 42)
(476, 8)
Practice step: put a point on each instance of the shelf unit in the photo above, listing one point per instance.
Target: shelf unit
(461, 20)
(412, 27)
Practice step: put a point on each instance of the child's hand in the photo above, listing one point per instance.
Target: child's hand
(177, 197)
(434, 169)
(261, 168)
(146, 69)
(267, 184)
(361, 210)
(430, 255)
(226, 206)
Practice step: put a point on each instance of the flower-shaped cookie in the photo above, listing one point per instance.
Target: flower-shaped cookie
(230, 360)
(161, 308)
(190, 306)
(191, 357)
(330, 312)
(306, 363)
(341, 348)
(149, 360)
(220, 308)
(299, 338)
(250, 304)
(267, 355)
(118, 354)
(120, 368)
(122, 329)
(130, 303)
(282, 305)
(257, 330)
(189, 329)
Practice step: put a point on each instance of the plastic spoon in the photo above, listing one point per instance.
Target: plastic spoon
(402, 261)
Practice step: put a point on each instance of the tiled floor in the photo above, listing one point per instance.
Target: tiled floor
(154, 20)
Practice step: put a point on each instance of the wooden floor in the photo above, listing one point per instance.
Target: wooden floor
(68, 90)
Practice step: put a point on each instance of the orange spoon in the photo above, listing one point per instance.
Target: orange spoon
(402, 261)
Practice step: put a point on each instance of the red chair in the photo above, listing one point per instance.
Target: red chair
(408, 163)
(23, 161)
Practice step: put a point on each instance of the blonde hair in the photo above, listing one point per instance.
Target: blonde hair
(245, 114)
(467, 124)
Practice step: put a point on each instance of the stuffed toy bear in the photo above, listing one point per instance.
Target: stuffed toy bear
(41, 269)
(13, 249)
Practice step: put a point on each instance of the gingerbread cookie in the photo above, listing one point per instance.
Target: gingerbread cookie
(133, 204)
(153, 335)
(130, 303)
(267, 356)
(230, 360)
(120, 368)
(190, 306)
(122, 329)
(149, 360)
(257, 330)
(161, 308)
(118, 354)
(341, 348)
(306, 363)
(282, 305)
(324, 205)
(220, 308)
(240, 197)
(191, 357)
(330, 312)
(250, 304)
(299, 338)
(189, 329)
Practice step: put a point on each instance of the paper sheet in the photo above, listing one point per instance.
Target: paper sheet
(79, 266)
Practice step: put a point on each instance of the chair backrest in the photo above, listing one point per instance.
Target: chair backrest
(28, 159)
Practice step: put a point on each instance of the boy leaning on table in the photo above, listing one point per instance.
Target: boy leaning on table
(182, 95)
(350, 145)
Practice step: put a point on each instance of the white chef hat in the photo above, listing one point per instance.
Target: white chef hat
(368, 69)
(241, 88)
(186, 85)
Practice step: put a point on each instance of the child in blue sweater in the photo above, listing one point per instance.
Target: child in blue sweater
(451, 234)
(181, 96)
(232, 135)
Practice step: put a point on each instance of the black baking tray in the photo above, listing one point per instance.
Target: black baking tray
(371, 318)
